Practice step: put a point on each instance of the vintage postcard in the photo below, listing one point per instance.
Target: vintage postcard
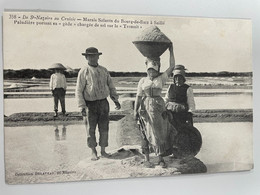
(103, 96)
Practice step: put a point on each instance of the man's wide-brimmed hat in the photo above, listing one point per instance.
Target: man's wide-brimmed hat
(91, 51)
(57, 66)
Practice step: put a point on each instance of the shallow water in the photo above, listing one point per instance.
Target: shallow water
(225, 102)
(41, 105)
(30, 149)
(226, 146)
(11, 106)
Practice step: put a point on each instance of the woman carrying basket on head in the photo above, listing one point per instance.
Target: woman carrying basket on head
(150, 109)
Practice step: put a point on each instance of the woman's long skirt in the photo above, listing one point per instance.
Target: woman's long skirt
(158, 130)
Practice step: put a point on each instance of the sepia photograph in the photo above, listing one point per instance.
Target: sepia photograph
(107, 96)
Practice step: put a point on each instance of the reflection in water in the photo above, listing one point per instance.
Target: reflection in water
(57, 133)
(60, 154)
(33, 148)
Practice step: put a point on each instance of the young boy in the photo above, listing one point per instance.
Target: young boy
(58, 87)
(94, 85)
(180, 98)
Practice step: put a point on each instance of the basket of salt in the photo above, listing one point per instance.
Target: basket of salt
(152, 43)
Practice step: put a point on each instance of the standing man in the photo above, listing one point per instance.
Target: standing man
(58, 87)
(94, 85)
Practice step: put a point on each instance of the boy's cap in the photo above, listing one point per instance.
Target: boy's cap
(179, 67)
(57, 66)
(179, 72)
(91, 51)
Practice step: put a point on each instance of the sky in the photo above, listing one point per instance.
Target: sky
(201, 44)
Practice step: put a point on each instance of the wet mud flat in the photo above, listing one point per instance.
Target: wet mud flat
(200, 116)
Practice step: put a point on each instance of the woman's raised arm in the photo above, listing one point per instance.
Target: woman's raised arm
(172, 61)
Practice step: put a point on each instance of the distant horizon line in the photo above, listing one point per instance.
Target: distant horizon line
(223, 71)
